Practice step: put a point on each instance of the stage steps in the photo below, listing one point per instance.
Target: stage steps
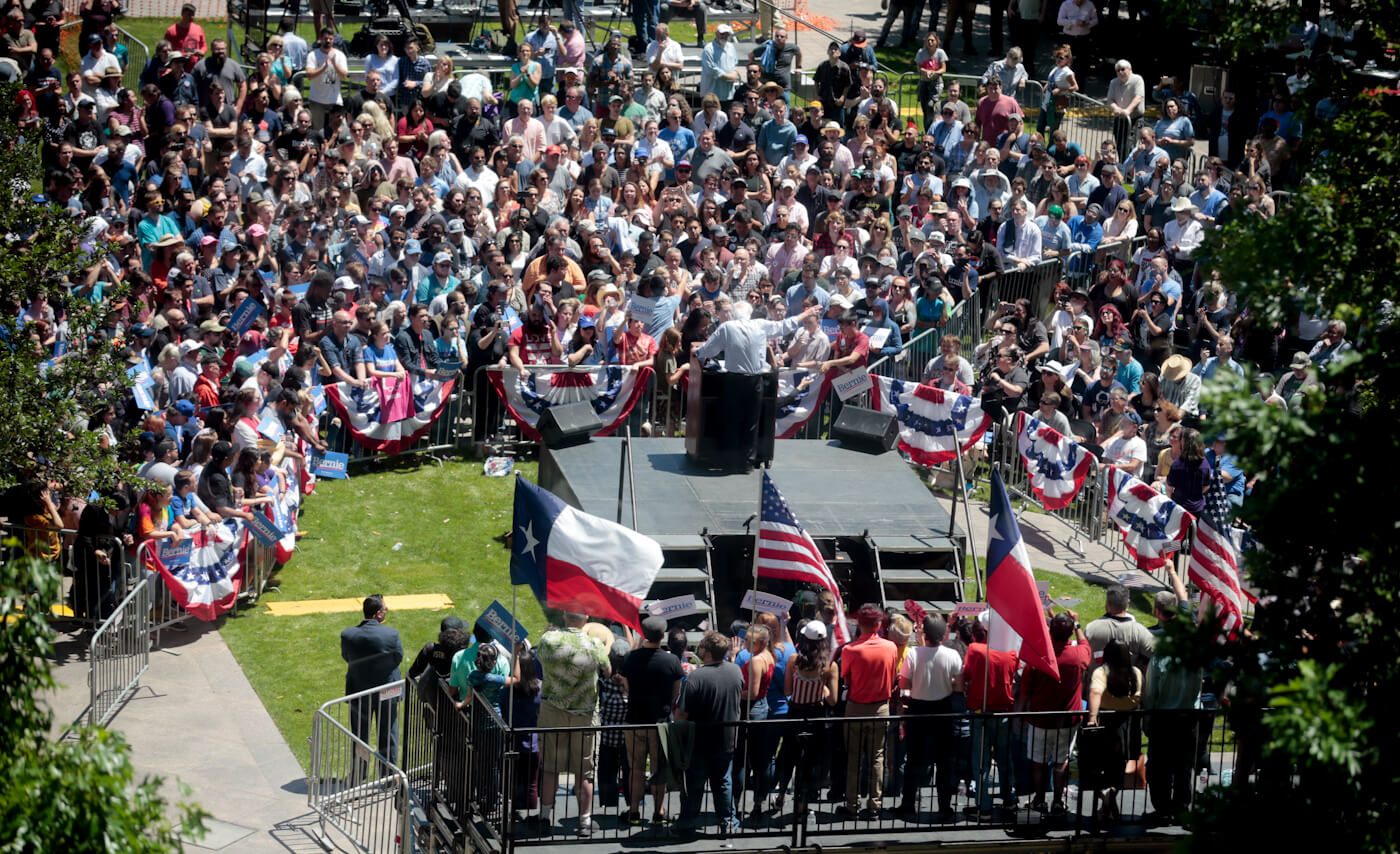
(685, 570)
(908, 569)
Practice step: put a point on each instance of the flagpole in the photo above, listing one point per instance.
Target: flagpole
(757, 536)
(967, 510)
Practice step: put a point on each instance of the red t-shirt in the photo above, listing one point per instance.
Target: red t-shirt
(635, 349)
(1044, 694)
(992, 115)
(844, 346)
(998, 682)
(869, 666)
(534, 349)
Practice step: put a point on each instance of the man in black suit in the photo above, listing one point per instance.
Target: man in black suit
(373, 652)
(1237, 124)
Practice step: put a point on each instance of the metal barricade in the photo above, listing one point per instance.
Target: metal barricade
(98, 573)
(119, 654)
(1088, 122)
(1034, 283)
(448, 431)
(259, 565)
(165, 611)
(807, 778)
(137, 54)
(1085, 515)
(355, 788)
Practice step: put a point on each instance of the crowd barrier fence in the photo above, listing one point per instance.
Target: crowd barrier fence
(356, 786)
(119, 653)
(970, 771)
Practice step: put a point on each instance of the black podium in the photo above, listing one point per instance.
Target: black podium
(712, 432)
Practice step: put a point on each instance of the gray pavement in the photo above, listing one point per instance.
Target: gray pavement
(196, 720)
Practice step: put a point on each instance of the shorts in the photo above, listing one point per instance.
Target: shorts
(642, 743)
(568, 753)
(1049, 745)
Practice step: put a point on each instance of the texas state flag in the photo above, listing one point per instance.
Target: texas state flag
(577, 562)
(1016, 619)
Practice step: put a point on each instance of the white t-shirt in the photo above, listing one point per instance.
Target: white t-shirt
(325, 87)
(671, 53)
(930, 671)
(1120, 450)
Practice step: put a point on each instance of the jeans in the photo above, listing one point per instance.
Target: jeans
(645, 14)
(698, 11)
(991, 737)
(929, 744)
(913, 10)
(758, 755)
(708, 764)
(613, 775)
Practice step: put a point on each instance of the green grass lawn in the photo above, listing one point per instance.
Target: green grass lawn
(447, 519)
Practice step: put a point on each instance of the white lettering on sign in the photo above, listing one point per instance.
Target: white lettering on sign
(766, 603)
(676, 606)
(850, 384)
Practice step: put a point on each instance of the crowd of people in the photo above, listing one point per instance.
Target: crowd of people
(775, 718)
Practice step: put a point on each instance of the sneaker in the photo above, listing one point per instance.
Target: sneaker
(588, 827)
(848, 811)
(1038, 804)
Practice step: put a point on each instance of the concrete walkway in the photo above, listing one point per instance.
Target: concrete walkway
(195, 719)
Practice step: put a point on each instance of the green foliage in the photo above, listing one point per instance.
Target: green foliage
(1243, 28)
(43, 412)
(1321, 653)
(72, 796)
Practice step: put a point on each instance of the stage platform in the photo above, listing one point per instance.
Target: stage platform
(884, 536)
(833, 491)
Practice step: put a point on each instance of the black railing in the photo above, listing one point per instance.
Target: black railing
(810, 779)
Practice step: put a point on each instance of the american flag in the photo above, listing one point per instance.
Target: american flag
(1215, 558)
(786, 551)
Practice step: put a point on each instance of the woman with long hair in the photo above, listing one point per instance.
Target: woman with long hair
(1116, 686)
(1189, 475)
(1058, 86)
(1157, 431)
(1110, 328)
(812, 688)
(1114, 288)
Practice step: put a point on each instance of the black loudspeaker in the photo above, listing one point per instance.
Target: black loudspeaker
(866, 430)
(569, 424)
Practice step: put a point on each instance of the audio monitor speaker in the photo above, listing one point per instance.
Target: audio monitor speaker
(866, 430)
(569, 424)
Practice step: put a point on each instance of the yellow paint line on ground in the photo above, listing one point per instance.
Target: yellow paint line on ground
(408, 602)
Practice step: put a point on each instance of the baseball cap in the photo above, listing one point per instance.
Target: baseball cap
(456, 226)
(1057, 211)
(359, 219)
(839, 300)
(141, 330)
(724, 28)
(553, 149)
(587, 322)
(189, 346)
(801, 139)
(412, 247)
(814, 630)
(451, 623)
(211, 326)
(345, 283)
(257, 229)
(400, 209)
(442, 258)
(227, 246)
(185, 408)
